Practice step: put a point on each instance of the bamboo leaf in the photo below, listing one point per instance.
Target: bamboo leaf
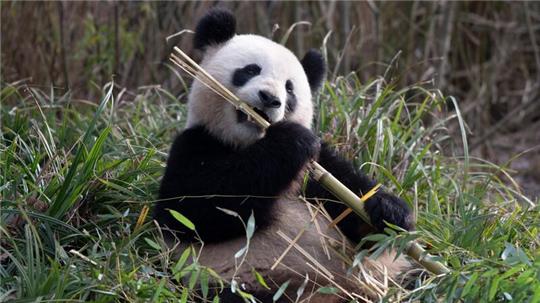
(193, 278)
(204, 283)
(250, 229)
(229, 212)
(260, 279)
(184, 296)
(180, 263)
(152, 244)
(302, 288)
(493, 288)
(240, 252)
(328, 290)
(158, 290)
(180, 218)
(280, 291)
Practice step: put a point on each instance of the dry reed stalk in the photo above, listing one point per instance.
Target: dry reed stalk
(317, 172)
(331, 280)
(301, 250)
(142, 217)
(286, 251)
(295, 240)
(314, 214)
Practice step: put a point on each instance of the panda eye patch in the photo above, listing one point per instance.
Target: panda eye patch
(291, 98)
(289, 86)
(242, 75)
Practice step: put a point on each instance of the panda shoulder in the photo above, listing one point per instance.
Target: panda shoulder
(193, 140)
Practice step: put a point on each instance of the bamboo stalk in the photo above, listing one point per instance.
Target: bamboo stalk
(321, 175)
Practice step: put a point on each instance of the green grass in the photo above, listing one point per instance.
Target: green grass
(75, 176)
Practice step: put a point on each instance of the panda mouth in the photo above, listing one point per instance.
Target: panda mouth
(242, 117)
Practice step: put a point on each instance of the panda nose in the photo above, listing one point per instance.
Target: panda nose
(269, 100)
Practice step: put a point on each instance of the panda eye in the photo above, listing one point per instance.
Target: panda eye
(252, 69)
(289, 86)
(242, 75)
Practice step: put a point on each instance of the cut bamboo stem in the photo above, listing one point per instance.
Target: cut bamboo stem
(414, 250)
(318, 173)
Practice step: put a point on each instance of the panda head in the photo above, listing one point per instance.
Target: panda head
(265, 74)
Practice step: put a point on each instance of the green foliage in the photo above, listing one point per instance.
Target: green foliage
(474, 220)
(74, 177)
(182, 219)
(102, 45)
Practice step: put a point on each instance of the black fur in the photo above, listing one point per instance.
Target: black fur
(250, 179)
(200, 165)
(291, 104)
(217, 26)
(291, 97)
(381, 207)
(315, 68)
(242, 75)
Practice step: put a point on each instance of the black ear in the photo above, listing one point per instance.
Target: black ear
(315, 68)
(217, 26)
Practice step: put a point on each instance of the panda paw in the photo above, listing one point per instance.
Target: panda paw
(293, 137)
(386, 207)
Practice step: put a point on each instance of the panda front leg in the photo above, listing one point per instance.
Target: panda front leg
(381, 207)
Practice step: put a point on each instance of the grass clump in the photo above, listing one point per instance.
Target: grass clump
(76, 175)
(469, 211)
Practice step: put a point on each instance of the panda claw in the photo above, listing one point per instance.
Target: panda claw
(386, 207)
(299, 139)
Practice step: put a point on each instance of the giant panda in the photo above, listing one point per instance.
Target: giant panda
(223, 162)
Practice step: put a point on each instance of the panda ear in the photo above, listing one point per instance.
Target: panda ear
(315, 68)
(217, 26)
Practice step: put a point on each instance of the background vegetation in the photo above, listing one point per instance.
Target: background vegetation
(486, 54)
(75, 177)
(80, 155)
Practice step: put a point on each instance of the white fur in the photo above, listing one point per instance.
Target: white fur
(278, 65)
